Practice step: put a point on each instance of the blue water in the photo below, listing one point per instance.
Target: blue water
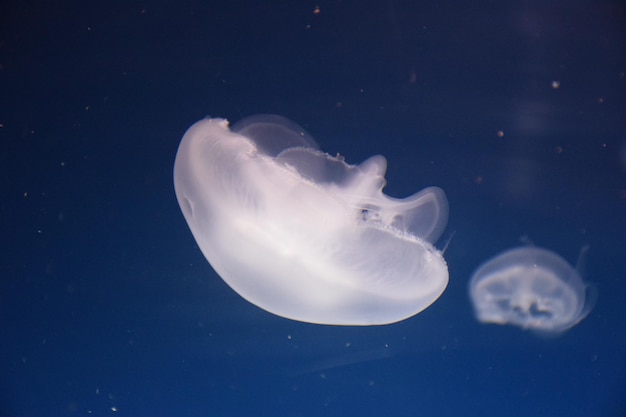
(107, 306)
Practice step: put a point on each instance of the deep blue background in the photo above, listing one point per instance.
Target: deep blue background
(106, 303)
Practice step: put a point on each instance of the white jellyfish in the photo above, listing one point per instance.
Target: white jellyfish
(532, 288)
(303, 234)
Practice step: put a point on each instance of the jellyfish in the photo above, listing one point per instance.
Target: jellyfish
(303, 234)
(532, 288)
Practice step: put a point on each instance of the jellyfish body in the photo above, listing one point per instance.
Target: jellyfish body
(531, 288)
(305, 235)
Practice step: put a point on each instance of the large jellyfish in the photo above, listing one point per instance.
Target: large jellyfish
(302, 234)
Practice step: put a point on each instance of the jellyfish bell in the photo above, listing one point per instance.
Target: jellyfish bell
(532, 288)
(303, 234)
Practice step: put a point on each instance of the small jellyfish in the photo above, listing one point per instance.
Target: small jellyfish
(531, 288)
(302, 234)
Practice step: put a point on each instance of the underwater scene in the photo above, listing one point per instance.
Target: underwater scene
(325, 208)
